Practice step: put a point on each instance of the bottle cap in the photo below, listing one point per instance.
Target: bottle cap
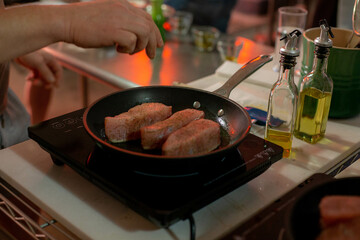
(324, 40)
(290, 48)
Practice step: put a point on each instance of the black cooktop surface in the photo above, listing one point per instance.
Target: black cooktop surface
(162, 199)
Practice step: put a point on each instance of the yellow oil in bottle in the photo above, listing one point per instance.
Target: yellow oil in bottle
(312, 115)
(283, 139)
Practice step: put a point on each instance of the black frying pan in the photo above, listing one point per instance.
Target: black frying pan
(303, 220)
(233, 119)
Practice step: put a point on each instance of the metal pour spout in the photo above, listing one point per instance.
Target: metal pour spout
(290, 48)
(324, 40)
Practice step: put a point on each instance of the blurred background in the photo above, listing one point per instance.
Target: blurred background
(256, 19)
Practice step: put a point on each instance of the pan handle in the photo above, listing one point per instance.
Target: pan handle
(241, 74)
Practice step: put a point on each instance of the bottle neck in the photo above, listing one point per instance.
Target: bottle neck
(320, 63)
(321, 58)
(156, 7)
(287, 69)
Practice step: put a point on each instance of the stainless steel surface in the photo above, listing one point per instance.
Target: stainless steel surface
(88, 63)
(177, 61)
(244, 72)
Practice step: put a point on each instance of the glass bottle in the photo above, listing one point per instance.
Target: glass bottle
(283, 98)
(315, 92)
(158, 16)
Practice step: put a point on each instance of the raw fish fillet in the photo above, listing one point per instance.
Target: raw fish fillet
(338, 208)
(199, 136)
(154, 136)
(126, 126)
(347, 230)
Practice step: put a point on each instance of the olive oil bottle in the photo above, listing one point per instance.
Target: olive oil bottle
(315, 92)
(283, 98)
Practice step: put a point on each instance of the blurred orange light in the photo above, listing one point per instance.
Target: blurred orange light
(247, 51)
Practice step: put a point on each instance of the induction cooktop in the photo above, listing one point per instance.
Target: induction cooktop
(161, 199)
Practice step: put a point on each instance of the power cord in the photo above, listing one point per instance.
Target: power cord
(192, 228)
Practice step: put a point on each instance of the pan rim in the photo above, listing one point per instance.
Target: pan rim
(157, 156)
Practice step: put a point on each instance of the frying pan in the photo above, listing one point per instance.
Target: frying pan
(234, 121)
(303, 219)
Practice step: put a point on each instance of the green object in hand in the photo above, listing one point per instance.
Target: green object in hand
(158, 16)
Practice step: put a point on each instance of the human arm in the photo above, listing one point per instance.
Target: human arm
(24, 29)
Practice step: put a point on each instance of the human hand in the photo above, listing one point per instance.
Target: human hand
(43, 66)
(111, 22)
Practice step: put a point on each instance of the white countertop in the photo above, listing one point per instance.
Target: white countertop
(91, 213)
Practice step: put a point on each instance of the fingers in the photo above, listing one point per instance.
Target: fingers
(48, 71)
(151, 46)
(155, 40)
(137, 40)
(158, 37)
(130, 43)
(145, 31)
(127, 42)
(130, 28)
(56, 69)
(155, 33)
(46, 75)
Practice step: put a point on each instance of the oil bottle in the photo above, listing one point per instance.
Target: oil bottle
(158, 16)
(315, 92)
(283, 97)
